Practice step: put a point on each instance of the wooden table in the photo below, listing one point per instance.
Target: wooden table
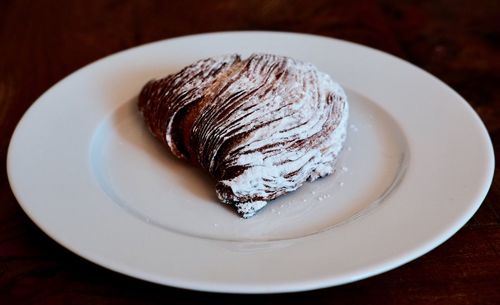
(43, 41)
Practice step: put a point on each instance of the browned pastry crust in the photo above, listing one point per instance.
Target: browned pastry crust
(260, 126)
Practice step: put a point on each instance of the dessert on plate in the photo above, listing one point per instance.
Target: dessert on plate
(261, 126)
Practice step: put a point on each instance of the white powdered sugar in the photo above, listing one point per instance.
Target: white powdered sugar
(261, 126)
(294, 114)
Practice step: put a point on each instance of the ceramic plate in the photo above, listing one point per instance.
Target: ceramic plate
(417, 164)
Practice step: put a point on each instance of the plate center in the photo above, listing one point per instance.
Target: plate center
(141, 176)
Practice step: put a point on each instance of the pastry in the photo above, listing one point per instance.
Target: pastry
(261, 126)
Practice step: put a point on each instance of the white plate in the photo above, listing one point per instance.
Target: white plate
(417, 165)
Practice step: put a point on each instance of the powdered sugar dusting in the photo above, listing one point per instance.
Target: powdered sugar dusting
(261, 126)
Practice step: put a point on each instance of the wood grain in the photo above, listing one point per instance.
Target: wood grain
(43, 41)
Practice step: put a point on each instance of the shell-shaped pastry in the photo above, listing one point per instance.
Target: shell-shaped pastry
(260, 126)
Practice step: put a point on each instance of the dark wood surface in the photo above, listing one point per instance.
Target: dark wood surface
(43, 41)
